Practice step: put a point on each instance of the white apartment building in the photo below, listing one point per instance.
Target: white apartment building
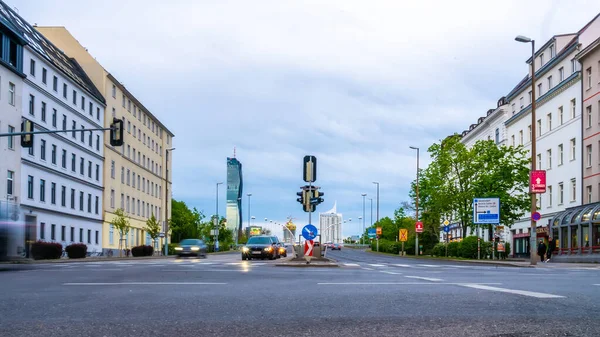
(61, 175)
(330, 226)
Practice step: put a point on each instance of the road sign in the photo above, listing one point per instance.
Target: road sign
(536, 216)
(446, 229)
(537, 181)
(378, 232)
(403, 235)
(419, 227)
(486, 210)
(308, 247)
(310, 169)
(446, 222)
(372, 233)
(161, 234)
(500, 247)
(309, 232)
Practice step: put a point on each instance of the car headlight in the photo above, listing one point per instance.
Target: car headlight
(195, 249)
(268, 249)
(178, 248)
(245, 249)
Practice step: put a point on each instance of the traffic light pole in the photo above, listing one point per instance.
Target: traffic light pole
(50, 131)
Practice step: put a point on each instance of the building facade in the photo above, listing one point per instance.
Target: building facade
(235, 186)
(137, 175)
(330, 226)
(61, 181)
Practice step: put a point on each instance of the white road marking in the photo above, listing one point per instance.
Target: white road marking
(376, 265)
(403, 265)
(367, 268)
(430, 265)
(351, 264)
(425, 278)
(400, 283)
(512, 291)
(391, 272)
(203, 270)
(596, 285)
(140, 283)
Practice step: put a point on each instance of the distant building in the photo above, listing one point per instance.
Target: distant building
(330, 226)
(234, 195)
(290, 233)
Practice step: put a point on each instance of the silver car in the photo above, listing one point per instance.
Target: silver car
(191, 247)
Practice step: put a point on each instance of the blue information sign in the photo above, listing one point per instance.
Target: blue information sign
(372, 233)
(309, 232)
(446, 229)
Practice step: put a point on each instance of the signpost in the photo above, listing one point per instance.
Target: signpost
(403, 238)
(486, 211)
(309, 232)
(308, 250)
(372, 233)
(536, 216)
(537, 181)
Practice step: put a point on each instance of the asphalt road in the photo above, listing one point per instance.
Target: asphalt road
(368, 295)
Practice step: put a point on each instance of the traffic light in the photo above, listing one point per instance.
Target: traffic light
(26, 140)
(309, 207)
(116, 132)
(301, 199)
(317, 195)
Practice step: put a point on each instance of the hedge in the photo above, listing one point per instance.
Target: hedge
(142, 251)
(76, 250)
(41, 250)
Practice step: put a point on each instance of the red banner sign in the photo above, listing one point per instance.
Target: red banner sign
(537, 181)
(419, 227)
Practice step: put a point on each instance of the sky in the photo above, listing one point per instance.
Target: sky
(354, 83)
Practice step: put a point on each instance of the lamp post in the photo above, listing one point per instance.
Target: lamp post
(363, 232)
(238, 229)
(166, 223)
(363, 217)
(216, 221)
(376, 183)
(371, 223)
(532, 230)
(417, 203)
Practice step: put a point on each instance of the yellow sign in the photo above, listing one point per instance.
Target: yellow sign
(403, 235)
(378, 230)
(446, 222)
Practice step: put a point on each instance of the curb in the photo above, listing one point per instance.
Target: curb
(491, 263)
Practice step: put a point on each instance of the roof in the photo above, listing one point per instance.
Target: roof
(49, 51)
(138, 103)
(585, 52)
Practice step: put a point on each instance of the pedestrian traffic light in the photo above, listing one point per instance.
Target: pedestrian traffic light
(116, 132)
(27, 140)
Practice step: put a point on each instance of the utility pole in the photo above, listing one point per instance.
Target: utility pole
(376, 183)
(216, 221)
(417, 203)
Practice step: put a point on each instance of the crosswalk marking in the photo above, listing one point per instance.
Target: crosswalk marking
(430, 265)
(391, 272)
(376, 265)
(402, 265)
(351, 264)
(425, 278)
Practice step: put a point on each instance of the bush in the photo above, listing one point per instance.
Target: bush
(41, 250)
(76, 251)
(439, 250)
(142, 251)
(468, 247)
(453, 249)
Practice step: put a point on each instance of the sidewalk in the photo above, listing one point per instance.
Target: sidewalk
(87, 259)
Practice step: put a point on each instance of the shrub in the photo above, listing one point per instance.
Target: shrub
(148, 250)
(453, 249)
(41, 250)
(439, 250)
(76, 250)
(468, 247)
(142, 251)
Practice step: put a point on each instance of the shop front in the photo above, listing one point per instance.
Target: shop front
(521, 241)
(577, 234)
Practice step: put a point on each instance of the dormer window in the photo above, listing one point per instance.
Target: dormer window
(13, 47)
(541, 59)
(552, 52)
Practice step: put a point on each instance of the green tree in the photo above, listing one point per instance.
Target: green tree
(185, 222)
(121, 223)
(153, 229)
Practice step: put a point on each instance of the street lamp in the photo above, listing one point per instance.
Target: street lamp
(216, 221)
(532, 230)
(166, 223)
(417, 203)
(371, 211)
(363, 217)
(376, 183)
(238, 230)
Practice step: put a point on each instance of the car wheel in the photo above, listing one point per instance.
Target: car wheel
(244, 258)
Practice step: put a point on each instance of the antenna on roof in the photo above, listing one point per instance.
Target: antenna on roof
(234, 152)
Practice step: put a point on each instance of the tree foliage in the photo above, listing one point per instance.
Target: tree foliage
(458, 174)
(185, 223)
(121, 223)
(153, 228)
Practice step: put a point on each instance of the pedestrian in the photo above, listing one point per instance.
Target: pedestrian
(551, 248)
(541, 250)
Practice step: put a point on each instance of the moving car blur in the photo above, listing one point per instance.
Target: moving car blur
(191, 247)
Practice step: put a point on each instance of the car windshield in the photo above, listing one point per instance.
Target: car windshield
(261, 240)
(188, 242)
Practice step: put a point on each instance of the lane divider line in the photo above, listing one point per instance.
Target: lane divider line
(512, 291)
(425, 278)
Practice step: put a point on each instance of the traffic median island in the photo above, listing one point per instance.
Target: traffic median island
(314, 262)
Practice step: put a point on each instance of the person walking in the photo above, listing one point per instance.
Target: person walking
(551, 248)
(541, 250)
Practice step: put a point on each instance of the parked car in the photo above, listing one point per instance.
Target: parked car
(191, 247)
(259, 247)
(335, 246)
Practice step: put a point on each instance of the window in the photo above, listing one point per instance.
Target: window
(521, 137)
(542, 59)
(42, 190)
(138, 207)
(65, 90)
(143, 184)
(62, 233)
(529, 128)
(573, 149)
(539, 89)
(53, 232)
(80, 200)
(90, 139)
(73, 127)
(573, 66)
(89, 203)
(42, 230)
(127, 205)
(573, 111)
(549, 158)
(98, 113)
(11, 144)
(512, 140)
(128, 151)
(64, 159)
(111, 232)
(32, 67)
(560, 115)
(30, 187)
(573, 190)
(64, 123)
(588, 190)
(52, 154)
(128, 176)
(31, 105)
(97, 172)
(529, 103)
(43, 149)
(91, 108)
(96, 205)
(129, 105)
(552, 52)
(123, 101)
(54, 118)
(549, 121)
(72, 233)
(82, 134)
(11, 93)
(129, 126)
(139, 133)
(539, 161)
(138, 183)
(588, 114)
(134, 132)
(53, 193)
(10, 176)
(112, 169)
(97, 234)
(81, 165)
(63, 196)
(97, 142)
(560, 154)
(112, 198)
(89, 169)
(122, 201)
(549, 189)
(588, 155)
(44, 75)
(73, 198)
(44, 112)
(30, 151)
(122, 175)
(561, 74)
(588, 74)
(114, 112)
(55, 83)
(74, 97)
(539, 128)
(561, 192)
(80, 234)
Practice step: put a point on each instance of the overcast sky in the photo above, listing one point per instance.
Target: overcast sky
(354, 83)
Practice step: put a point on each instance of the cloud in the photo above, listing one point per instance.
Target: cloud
(353, 82)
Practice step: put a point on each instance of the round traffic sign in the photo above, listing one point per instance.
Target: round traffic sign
(309, 232)
(446, 229)
(536, 216)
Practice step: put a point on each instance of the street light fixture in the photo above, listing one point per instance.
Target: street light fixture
(532, 230)
(417, 203)
(376, 183)
(363, 229)
(166, 223)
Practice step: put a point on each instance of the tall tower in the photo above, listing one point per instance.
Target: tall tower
(330, 224)
(234, 195)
